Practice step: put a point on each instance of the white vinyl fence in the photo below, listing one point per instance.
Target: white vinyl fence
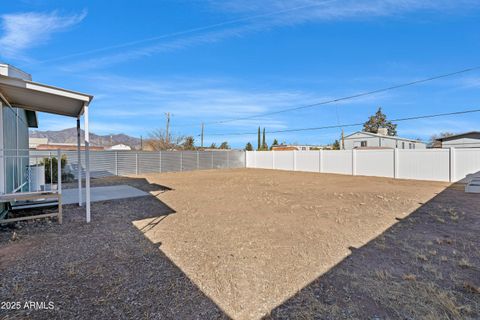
(425, 164)
(120, 163)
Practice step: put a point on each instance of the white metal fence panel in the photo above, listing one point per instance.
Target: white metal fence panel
(189, 160)
(428, 164)
(307, 161)
(105, 163)
(465, 162)
(126, 163)
(375, 163)
(264, 159)
(250, 159)
(236, 159)
(283, 160)
(148, 162)
(337, 161)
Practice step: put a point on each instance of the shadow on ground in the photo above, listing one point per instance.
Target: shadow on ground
(102, 270)
(427, 266)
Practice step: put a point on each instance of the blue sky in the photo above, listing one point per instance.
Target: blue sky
(209, 60)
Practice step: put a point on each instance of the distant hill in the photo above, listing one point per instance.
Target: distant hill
(70, 136)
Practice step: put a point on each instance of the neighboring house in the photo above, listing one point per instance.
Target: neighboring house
(462, 140)
(283, 147)
(34, 142)
(119, 147)
(362, 140)
(65, 147)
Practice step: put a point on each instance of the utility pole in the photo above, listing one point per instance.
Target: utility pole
(141, 143)
(203, 127)
(167, 136)
(343, 140)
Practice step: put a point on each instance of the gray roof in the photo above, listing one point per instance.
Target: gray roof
(384, 136)
(456, 136)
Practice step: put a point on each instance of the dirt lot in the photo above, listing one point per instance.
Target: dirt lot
(247, 244)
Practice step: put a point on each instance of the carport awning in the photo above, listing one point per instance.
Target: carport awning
(35, 96)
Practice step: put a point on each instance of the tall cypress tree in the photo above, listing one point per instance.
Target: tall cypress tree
(258, 148)
(264, 144)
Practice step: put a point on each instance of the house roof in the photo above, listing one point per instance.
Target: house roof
(382, 136)
(456, 136)
(34, 96)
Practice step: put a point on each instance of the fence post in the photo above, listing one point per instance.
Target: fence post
(136, 163)
(255, 158)
(354, 162)
(228, 159)
(198, 161)
(396, 163)
(59, 172)
(116, 163)
(452, 164)
(212, 158)
(273, 159)
(181, 161)
(294, 160)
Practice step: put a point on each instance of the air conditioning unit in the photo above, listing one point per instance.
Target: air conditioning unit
(36, 177)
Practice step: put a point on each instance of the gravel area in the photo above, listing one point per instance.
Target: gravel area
(247, 244)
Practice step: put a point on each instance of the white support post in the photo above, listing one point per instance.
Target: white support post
(136, 163)
(255, 158)
(354, 162)
(198, 161)
(59, 171)
(87, 163)
(320, 159)
(452, 177)
(79, 161)
(396, 163)
(294, 160)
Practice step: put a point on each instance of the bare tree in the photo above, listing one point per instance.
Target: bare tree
(158, 140)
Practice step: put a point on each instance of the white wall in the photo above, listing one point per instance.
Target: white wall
(423, 164)
(355, 139)
(472, 141)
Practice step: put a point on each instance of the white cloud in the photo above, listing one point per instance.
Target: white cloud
(21, 31)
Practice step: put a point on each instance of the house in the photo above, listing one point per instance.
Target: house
(284, 147)
(34, 142)
(65, 147)
(463, 140)
(362, 139)
(120, 146)
(20, 100)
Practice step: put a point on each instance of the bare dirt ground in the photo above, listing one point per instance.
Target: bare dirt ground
(247, 244)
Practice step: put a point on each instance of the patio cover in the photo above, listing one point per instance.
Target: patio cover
(34, 96)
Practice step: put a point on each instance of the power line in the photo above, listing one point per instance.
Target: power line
(184, 32)
(359, 95)
(353, 124)
(350, 97)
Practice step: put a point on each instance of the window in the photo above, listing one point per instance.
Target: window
(363, 143)
(410, 146)
(403, 145)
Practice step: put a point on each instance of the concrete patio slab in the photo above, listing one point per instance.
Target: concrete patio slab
(70, 196)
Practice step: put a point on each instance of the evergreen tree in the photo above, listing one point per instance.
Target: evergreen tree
(259, 145)
(379, 120)
(249, 147)
(224, 145)
(264, 143)
(274, 144)
(336, 145)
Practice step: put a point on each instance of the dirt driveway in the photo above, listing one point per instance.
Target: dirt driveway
(254, 243)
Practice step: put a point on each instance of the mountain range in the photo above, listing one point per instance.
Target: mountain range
(69, 136)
